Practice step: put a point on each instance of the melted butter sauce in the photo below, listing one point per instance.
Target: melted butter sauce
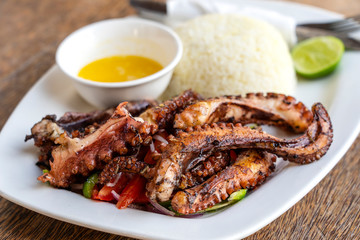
(119, 69)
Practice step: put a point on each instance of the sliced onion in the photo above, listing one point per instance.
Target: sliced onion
(112, 184)
(152, 147)
(115, 195)
(160, 208)
(161, 139)
(157, 208)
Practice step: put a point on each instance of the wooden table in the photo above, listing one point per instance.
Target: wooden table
(29, 34)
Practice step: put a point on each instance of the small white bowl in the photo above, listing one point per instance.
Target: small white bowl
(127, 36)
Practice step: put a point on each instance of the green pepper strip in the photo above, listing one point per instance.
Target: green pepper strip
(89, 185)
(233, 198)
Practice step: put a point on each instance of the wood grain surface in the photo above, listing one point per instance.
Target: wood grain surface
(30, 31)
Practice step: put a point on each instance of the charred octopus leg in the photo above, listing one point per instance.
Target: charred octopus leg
(249, 170)
(272, 109)
(75, 124)
(75, 156)
(205, 169)
(196, 144)
(163, 114)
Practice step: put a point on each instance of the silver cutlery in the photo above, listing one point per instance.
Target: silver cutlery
(338, 28)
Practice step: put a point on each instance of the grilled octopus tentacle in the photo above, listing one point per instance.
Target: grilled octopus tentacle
(249, 170)
(195, 145)
(121, 164)
(75, 124)
(163, 114)
(75, 156)
(272, 109)
(213, 164)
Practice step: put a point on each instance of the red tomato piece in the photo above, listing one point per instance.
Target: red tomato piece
(142, 198)
(105, 192)
(95, 193)
(148, 158)
(131, 191)
(233, 155)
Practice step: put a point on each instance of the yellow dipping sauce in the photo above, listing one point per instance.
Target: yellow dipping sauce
(119, 69)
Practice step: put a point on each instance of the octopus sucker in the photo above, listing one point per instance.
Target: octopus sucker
(249, 170)
(199, 142)
(119, 164)
(163, 114)
(210, 166)
(271, 109)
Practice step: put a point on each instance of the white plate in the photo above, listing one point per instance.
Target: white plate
(54, 94)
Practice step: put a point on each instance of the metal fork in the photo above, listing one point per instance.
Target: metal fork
(304, 33)
(345, 25)
(339, 28)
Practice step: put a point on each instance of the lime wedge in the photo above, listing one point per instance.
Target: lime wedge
(318, 56)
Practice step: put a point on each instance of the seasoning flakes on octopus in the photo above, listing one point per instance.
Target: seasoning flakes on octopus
(180, 157)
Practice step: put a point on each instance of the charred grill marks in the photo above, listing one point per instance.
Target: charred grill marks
(249, 170)
(75, 156)
(181, 152)
(271, 109)
(163, 114)
(208, 155)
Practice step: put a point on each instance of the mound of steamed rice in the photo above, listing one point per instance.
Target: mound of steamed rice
(230, 55)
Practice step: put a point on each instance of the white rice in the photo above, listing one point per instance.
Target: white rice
(227, 54)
